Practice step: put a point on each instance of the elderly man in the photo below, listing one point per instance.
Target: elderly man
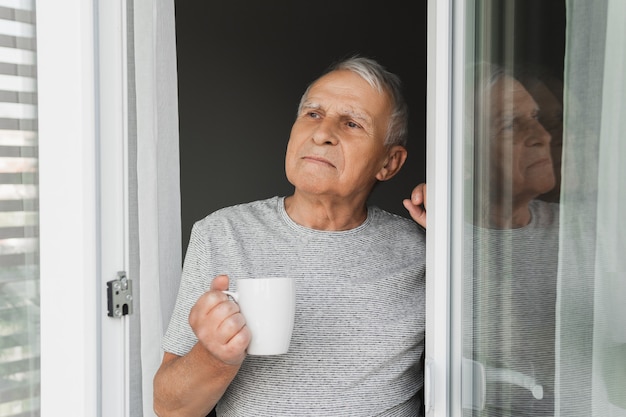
(359, 326)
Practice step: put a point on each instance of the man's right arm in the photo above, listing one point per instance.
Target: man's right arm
(192, 384)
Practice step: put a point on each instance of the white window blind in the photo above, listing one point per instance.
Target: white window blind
(19, 217)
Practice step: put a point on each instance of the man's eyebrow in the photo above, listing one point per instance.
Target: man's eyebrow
(355, 114)
(311, 105)
(350, 112)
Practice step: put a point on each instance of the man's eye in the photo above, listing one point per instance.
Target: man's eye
(353, 125)
(508, 126)
(506, 123)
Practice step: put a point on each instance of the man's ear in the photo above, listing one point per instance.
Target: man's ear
(396, 156)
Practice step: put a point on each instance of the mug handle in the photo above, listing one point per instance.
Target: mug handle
(233, 295)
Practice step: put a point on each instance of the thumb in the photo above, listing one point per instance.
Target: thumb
(220, 283)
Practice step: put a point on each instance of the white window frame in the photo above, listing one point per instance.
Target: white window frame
(83, 216)
(447, 45)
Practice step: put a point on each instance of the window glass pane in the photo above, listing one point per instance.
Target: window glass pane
(544, 271)
(511, 236)
(19, 244)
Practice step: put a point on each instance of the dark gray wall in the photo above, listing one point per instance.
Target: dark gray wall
(242, 67)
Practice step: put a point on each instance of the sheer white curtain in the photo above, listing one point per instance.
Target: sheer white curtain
(591, 307)
(155, 229)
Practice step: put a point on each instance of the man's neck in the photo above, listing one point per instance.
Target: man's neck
(325, 213)
(504, 217)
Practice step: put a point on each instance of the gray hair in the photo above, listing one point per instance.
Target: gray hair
(383, 81)
(481, 77)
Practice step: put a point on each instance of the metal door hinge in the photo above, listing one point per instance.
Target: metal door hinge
(119, 296)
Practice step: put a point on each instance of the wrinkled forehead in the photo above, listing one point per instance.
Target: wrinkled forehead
(343, 78)
(508, 96)
(348, 92)
(505, 89)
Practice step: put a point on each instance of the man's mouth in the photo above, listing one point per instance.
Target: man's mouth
(318, 159)
(540, 162)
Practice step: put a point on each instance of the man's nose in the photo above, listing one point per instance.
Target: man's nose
(538, 135)
(326, 132)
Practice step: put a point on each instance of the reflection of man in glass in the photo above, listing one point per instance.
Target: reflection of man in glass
(513, 163)
(511, 259)
(510, 253)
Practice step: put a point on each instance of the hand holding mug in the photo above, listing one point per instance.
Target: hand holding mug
(219, 325)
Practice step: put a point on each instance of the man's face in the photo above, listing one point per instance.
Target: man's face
(551, 118)
(336, 147)
(521, 164)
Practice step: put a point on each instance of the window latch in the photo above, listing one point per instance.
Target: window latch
(119, 296)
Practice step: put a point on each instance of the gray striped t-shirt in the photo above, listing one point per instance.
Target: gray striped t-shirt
(510, 292)
(360, 317)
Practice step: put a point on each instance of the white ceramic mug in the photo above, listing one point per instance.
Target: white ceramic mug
(269, 307)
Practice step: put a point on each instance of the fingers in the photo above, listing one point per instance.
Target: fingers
(416, 212)
(418, 195)
(219, 325)
(416, 205)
